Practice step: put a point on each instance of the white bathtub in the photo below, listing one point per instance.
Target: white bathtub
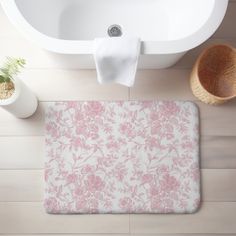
(168, 28)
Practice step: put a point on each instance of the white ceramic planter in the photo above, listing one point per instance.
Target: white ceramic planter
(23, 103)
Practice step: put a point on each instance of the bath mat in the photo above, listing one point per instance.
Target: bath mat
(122, 157)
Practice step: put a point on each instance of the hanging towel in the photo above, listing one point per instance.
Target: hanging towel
(116, 59)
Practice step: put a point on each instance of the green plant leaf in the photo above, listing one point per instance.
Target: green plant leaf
(11, 68)
(2, 79)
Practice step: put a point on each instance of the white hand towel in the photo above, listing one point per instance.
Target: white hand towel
(116, 59)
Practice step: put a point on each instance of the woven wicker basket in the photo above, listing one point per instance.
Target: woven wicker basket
(213, 79)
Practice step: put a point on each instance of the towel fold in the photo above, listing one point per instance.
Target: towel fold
(116, 59)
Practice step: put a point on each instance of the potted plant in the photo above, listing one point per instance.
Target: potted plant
(15, 96)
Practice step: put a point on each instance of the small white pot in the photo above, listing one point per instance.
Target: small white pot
(23, 103)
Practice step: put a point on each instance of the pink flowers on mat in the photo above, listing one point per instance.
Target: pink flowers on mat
(94, 183)
(94, 109)
(122, 157)
(169, 183)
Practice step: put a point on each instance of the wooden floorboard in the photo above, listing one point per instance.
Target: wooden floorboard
(212, 218)
(28, 152)
(30, 218)
(54, 78)
(218, 152)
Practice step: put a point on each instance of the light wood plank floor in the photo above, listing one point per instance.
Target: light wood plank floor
(21, 146)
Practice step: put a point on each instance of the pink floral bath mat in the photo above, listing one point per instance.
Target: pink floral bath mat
(122, 157)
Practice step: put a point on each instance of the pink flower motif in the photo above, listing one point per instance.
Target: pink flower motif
(146, 104)
(169, 108)
(168, 128)
(78, 143)
(92, 131)
(147, 178)
(188, 145)
(108, 129)
(93, 205)
(152, 143)
(155, 202)
(81, 204)
(51, 204)
(108, 204)
(87, 169)
(79, 191)
(81, 129)
(107, 161)
(52, 129)
(79, 117)
(169, 136)
(162, 169)
(112, 145)
(155, 128)
(127, 129)
(125, 203)
(94, 108)
(120, 172)
(154, 116)
(195, 173)
(169, 183)
(72, 178)
(47, 173)
(71, 105)
(164, 205)
(94, 183)
(154, 190)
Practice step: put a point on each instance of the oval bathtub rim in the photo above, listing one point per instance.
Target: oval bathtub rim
(85, 47)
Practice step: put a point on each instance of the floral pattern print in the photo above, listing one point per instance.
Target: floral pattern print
(122, 157)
